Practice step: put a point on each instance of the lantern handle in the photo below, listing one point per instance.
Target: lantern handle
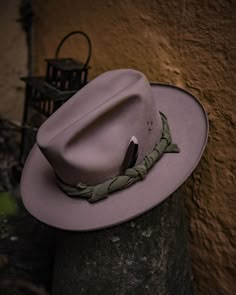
(88, 41)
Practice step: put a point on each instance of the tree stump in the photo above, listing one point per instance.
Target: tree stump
(146, 256)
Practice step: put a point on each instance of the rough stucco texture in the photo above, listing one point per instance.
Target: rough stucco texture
(187, 43)
(13, 53)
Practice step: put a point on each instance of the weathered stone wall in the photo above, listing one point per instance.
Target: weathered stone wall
(187, 43)
(13, 54)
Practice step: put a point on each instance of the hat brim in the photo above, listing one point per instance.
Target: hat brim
(189, 128)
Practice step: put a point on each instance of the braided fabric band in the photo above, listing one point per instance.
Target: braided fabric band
(94, 193)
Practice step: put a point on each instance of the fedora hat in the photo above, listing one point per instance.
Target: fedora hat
(114, 150)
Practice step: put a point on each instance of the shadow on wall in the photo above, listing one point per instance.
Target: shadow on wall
(13, 52)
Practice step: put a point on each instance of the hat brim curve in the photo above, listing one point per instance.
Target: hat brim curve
(189, 129)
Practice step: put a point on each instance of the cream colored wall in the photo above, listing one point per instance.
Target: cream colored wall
(13, 53)
(190, 44)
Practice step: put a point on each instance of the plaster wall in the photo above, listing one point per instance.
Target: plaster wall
(13, 62)
(187, 43)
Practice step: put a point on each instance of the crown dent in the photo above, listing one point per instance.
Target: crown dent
(86, 139)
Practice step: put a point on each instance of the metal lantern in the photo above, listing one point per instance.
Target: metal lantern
(44, 95)
(68, 73)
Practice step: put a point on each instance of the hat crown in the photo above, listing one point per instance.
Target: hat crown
(86, 139)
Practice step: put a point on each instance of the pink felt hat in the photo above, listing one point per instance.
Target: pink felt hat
(84, 145)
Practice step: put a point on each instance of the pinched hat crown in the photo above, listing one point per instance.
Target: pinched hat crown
(87, 138)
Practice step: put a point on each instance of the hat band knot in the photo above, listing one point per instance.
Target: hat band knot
(94, 193)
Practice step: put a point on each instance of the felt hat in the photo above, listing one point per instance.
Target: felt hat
(113, 151)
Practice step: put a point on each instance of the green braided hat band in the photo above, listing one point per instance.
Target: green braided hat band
(94, 193)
